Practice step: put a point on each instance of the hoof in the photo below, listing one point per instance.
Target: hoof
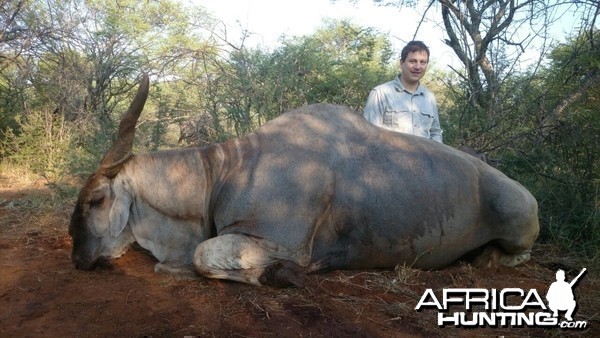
(282, 274)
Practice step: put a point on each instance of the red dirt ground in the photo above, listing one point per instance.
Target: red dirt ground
(41, 294)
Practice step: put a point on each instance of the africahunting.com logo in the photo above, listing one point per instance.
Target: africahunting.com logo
(509, 307)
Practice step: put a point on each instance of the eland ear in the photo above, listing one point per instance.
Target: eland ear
(119, 214)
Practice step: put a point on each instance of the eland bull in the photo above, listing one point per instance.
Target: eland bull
(315, 189)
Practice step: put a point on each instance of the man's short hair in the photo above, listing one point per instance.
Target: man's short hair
(413, 46)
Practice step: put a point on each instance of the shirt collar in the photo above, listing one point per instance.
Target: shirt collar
(400, 87)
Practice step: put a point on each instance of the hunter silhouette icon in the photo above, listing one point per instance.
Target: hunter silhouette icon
(560, 295)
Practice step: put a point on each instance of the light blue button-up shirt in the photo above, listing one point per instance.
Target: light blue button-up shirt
(392, 107)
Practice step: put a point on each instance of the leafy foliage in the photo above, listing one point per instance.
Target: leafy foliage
(68, 70)
(563, 150)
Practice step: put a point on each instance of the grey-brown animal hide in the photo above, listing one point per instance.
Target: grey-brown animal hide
(317, 188)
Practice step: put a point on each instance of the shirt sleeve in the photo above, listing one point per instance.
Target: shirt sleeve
(435, 132)
(374, 108)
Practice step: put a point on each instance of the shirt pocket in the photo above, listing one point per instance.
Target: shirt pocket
(425, 120)
(398, 120)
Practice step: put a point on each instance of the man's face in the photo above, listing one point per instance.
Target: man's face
(413, 68)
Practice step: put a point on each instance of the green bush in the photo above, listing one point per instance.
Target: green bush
(41, 144)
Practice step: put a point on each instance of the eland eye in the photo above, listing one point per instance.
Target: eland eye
(96, 200)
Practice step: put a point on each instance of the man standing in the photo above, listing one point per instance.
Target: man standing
(403, 104)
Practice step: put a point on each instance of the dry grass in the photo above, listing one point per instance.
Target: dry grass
(405, 274)
(15, 176)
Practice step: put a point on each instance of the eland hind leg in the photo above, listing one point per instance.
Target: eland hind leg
(512, 248)
(513, 216)
(249, 260)
(494, 256)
